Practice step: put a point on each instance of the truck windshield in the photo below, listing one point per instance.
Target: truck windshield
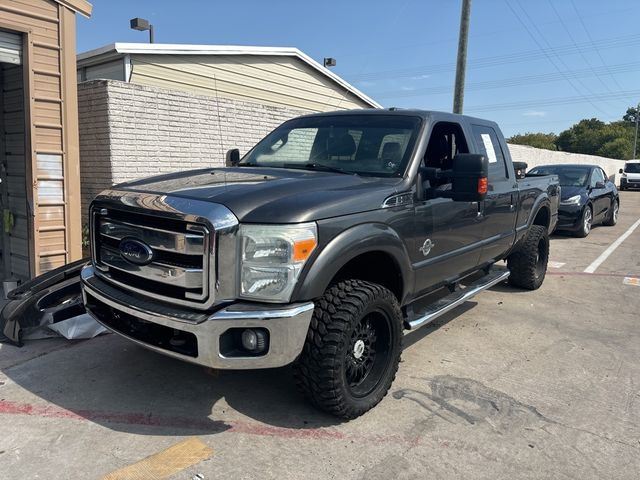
(568, 176)
(372, 145)
(632, 168)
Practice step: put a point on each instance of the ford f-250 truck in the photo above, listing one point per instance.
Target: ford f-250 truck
(317, 247)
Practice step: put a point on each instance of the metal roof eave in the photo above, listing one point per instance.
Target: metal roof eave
(81, 6)
(119, 49)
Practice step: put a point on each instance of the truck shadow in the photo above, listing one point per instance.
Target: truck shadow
(110, 382)
(126, 388)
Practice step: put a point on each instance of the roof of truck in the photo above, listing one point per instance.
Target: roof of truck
(405, 112)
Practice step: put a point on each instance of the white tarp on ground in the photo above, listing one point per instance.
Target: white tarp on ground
(74, 328)
(82, 326)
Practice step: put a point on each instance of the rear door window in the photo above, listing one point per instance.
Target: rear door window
(489, 145)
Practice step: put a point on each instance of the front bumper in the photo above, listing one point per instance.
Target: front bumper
(626, 183)
(569, 217)
(203, 335)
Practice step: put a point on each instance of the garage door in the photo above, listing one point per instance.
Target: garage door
(10, 47)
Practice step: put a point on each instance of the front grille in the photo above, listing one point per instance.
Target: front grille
(181, 265)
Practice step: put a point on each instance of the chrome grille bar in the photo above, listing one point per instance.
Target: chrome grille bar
(188, 278)
(156, 238)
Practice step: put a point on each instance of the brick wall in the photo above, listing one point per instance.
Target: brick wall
(130, 131)
(95, 145)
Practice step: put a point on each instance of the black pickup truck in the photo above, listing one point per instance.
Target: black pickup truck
(318, 247)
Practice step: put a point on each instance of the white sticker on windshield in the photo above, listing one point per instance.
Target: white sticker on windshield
(488, 146)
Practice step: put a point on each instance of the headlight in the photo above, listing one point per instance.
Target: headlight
(272, 259)
(623, 175)
(575, 200)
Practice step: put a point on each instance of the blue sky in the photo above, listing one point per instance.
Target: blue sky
(533, 65)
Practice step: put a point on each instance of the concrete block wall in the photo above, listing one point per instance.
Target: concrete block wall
(95, 142)
(130, 131)
(537, 156)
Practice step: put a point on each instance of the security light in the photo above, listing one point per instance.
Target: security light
(329, 62)
(141, 25)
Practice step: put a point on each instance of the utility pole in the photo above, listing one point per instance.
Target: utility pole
(461, 64)
(635, 142)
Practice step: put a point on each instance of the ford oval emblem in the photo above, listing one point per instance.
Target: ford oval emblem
(135, 251)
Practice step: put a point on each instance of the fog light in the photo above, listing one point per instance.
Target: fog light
(254, 341)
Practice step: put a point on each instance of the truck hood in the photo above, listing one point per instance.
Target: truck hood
(632, 176)
(274, 195)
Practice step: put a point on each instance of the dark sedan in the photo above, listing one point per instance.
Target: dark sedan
(587, 197)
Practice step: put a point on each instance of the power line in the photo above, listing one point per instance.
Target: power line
(548, 77)
(554, 101)
(586, 60)
(453, 39)
(593, 44)
(483, 62)
(533, 37)
(549, 122)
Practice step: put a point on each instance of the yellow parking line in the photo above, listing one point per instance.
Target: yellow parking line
(165, 463)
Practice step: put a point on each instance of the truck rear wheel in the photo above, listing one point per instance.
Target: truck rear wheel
(528, 265)
(353, 348)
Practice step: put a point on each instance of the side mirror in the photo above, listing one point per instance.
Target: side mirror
(620, 171)
(232, 158)
(521, 169)
(599, 185)
(469, 176)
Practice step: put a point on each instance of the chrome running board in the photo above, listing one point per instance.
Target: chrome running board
(445, 304)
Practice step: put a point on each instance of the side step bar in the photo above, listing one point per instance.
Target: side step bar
(445, 304)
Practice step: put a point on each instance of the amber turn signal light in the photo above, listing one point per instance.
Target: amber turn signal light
(303, 248)
(483, 185)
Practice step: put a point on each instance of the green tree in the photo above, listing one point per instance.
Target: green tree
(630, 116)
(584, 137)
(538, 140)
(617, 140)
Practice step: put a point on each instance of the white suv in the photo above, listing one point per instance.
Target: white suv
(630, 175)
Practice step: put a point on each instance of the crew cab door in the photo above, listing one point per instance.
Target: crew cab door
(498, 211)
(447, 235)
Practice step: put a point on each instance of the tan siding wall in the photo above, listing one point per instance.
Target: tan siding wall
(51, 157)
(271, 80)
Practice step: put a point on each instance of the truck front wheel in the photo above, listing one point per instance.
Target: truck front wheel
(352, 350)
(528, 265)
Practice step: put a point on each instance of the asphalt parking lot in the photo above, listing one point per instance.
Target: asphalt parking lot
(514, 384)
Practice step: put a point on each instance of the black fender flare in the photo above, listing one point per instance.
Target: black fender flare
(541, 202)
(349, 244)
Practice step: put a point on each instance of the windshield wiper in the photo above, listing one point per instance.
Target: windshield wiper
(248, 164)
(327, 168)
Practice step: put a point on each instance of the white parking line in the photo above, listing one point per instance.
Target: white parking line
(611, 248)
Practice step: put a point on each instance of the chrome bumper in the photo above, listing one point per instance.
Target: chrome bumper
(287, 325)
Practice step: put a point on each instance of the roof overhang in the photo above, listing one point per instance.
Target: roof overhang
(81, 6)
(116, 50)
